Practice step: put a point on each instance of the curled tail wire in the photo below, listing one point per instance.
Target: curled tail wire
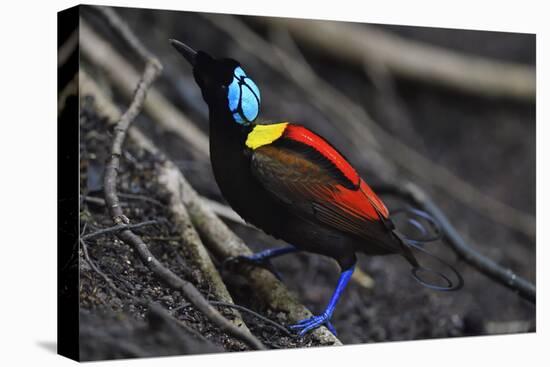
(410, 244)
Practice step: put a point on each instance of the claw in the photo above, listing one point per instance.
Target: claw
(300, 323)
(331, 328)
(306, 325)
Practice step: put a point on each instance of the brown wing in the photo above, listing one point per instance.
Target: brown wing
(312, 187)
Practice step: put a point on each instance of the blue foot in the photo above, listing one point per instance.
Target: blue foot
(306, 325)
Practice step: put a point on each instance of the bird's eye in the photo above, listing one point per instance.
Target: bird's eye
(243, 98)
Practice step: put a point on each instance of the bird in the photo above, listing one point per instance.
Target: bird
(293, 184)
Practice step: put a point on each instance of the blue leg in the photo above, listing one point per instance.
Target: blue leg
(262, 258)
(313, 322)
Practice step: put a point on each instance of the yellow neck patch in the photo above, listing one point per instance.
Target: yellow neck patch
(265, 134)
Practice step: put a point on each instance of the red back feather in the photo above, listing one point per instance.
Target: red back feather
(362, 201)
(305, 136)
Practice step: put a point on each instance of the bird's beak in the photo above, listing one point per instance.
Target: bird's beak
(186, 51)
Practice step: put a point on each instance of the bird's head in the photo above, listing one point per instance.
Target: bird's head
(223, 83)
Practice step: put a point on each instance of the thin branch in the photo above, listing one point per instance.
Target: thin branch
(152, 306)
(220, 209)
(159, 311)
(117, 228)
(100, 201)
(188, 289)
(152, 70)
(255, 314)
(107, 280)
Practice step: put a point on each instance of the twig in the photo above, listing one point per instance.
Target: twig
(117, 228)
(152, 70)
(188, 290)
(255, 314)
(220, 209)
(504, 276)
(350, 43)
(152, 306)
(107, 280)
(358, 121)
(159, 311)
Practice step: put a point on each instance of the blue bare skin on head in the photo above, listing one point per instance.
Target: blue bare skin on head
(243, 98)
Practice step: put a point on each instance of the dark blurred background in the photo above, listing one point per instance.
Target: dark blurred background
(470, 143)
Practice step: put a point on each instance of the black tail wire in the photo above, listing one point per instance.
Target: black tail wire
(429, 232)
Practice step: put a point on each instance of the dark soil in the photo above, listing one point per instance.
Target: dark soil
(489, 143)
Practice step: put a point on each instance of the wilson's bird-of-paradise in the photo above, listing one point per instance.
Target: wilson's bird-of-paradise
(293, 184)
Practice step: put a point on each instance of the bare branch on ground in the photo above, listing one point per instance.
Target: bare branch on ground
(117, 228)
